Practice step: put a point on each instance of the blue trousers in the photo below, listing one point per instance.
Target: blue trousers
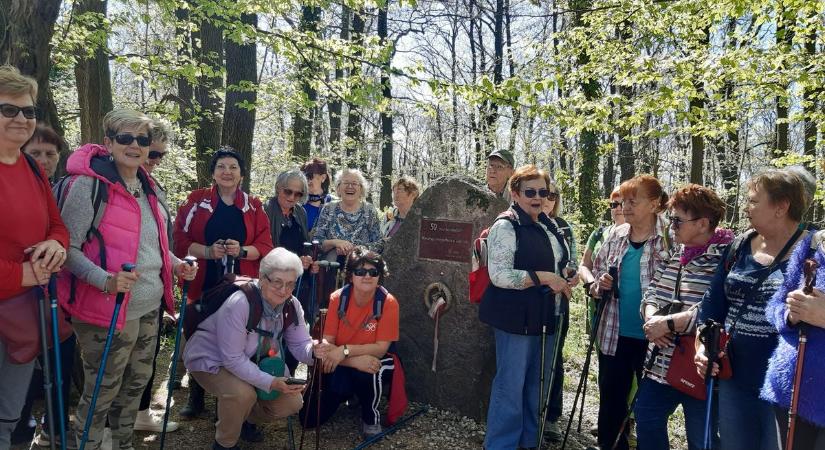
(512, 419)
(746, 422)
(656, 402)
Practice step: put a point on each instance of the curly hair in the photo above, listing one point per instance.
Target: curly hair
(700, 202)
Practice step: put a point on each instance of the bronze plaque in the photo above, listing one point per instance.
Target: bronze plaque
(445, 240)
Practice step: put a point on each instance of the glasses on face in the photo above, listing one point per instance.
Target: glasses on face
(614, 205)
(280, 285)
(360, 272)
(127, 139)
(542, 193)
(154, 154)
(11, 111)
(350, 184)
(496, 167)
(677, 222)
(290, 193)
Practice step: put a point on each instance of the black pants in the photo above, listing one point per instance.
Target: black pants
(555, 409)
(340, 385)
(615, 381)
(807, 436)
(146, 398)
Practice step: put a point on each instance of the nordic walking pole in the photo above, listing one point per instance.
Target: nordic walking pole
(58, 368)
(127, 267)
(555, 360)
(810, 279)
(47, 373)
(710, 336)
(173, 370)
(613, 271)
(314, 387)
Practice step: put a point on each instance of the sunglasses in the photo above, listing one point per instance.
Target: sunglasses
(11, 111)
(360, 272)
(154, 154)
(290, 193)
(614, 205)
(676, 222)
(542, 193)
(127, 139)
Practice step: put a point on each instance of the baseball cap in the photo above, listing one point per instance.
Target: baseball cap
(504, 155)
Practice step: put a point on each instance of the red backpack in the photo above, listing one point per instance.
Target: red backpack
(479, 276)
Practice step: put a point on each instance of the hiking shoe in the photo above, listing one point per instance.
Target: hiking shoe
(370, 430)
(251, 433)
(42, 439)
(145, 421)
(195, 404)
(552, 432)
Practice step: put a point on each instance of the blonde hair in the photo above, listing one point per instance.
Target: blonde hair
(408, 185)
(121, 118)
(783, 185)
(13, 83)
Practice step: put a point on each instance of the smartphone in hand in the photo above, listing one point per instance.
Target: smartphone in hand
(295, 381)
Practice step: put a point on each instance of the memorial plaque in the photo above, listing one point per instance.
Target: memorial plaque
(445, 240)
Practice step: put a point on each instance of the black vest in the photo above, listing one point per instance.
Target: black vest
(526, 311)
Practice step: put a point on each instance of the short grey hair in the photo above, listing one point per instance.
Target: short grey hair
(360, 176)
(162, 130)
(292, 174)
(808, 182)
(281, 260)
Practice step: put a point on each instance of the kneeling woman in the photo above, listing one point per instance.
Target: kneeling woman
(219, 354)
(527, 252)
(361, 325)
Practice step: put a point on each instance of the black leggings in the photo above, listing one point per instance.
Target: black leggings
(146, 398)
(807, 435)
(615, 380)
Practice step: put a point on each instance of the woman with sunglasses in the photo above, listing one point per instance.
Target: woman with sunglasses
(33, 235)
(223, 356)
(751, 272)
(361, 326)
(527, 255)
(132, 228)
(637, 249)
(669, 308)
(227, 230)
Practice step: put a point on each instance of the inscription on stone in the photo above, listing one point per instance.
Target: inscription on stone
(445, 240)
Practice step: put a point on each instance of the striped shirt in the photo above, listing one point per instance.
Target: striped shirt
(692, 283)
(656, 251)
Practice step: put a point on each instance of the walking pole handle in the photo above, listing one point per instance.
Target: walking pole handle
(126, 267)
(710, 336)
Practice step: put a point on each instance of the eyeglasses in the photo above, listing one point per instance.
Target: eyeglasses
(542, 193)
(614, 205)
(496, 167)
(676, 222)
(360, 272)
(127, 139)
(350, 184)
(279, 285)
(290, 193)
(154, 154)
(11, 111)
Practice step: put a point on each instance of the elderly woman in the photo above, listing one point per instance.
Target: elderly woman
(222, 354)
(34, 237)
(131, 227)
(227, 230)
(287, 218)
(361, 326)
(350, 221)
(404, 194)
(669, 307)
(637, 249)
(45, 146)
(751, 272)
(595, 240)
(318, 179)
(527, 254)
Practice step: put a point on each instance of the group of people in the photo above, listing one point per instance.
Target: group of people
(655, 278)
(109, 211)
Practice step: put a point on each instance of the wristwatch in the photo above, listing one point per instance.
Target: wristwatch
(671, 325)
(244, 252)
(346, 351)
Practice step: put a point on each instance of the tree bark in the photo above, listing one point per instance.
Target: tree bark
(386, 114)
(304, 116)
(784, 38)
(354, 138)
(480, 156)
(335, 103)
(209, 55)
(94, 84)
(185, 90)
(697, 141)
(241, 80)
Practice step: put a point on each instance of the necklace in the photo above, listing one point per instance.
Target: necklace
(134, 188)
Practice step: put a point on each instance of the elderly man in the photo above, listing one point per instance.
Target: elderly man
(499, 169)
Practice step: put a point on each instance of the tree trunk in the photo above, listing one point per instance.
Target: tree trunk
(207, 95)
(784, 38)
(185, 89)
(354, 138)
(335, 102)
(94, 85)
(241, 95)
(480, 156)
(697, 141)
(304, 116)
(386, 114)
(491, 113)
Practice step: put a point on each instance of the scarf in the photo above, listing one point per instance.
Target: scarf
(720, 236)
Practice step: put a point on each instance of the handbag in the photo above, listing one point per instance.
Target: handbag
(20, 326)
(682, 374)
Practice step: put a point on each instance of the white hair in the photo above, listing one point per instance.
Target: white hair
(358, 175)
(292, 174)
(281, 260)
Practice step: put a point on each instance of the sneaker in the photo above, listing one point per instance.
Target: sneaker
(370, 430)
(42, 439)
(251, 433)
(145, 421)
(552, 432)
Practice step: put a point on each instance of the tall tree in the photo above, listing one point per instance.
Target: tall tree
(304, 114)
(186, 91)
(94, 83)
(241, 91)
(386, 113)
(696, 108)
(209, 55)
(784, 41)
(336, 103)
(354, 140)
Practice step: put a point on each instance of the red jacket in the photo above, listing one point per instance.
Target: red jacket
(190, 226)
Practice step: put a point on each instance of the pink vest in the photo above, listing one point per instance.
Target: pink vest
(120, 228)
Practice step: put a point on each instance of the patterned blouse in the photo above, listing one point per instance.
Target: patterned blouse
(361, 227)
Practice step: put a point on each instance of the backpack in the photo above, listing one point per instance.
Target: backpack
(479, 277)
(566, 231)
(377, 305)
(735, 248)
(212, 300)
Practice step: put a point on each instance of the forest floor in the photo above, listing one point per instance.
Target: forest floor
(432, 430)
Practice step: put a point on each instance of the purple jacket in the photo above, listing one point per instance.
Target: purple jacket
(222, 341)
(782, 365)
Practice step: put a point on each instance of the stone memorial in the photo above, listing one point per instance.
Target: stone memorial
(429, 260)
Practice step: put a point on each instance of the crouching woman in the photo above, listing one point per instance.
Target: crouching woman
(219, 355)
